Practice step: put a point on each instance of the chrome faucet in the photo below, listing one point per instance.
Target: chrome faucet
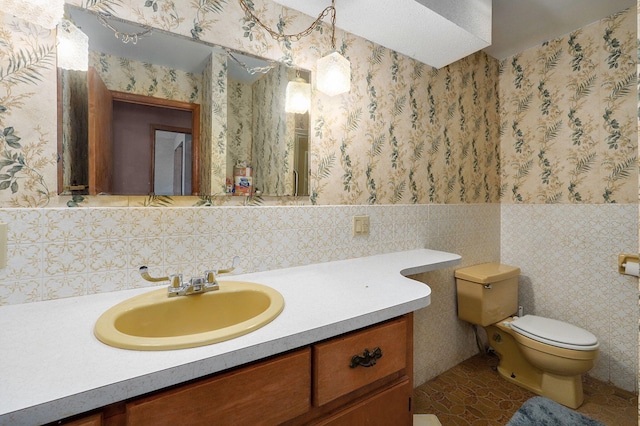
(196, 285)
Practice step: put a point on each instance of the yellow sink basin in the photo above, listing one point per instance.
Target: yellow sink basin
(153, 321)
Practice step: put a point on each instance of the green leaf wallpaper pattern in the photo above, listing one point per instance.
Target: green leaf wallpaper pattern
(553, 124)
(569, 105)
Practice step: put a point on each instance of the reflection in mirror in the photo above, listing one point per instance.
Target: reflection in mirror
(171, 161)
(235, 115)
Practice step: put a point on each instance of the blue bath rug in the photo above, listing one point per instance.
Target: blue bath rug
(540, 411)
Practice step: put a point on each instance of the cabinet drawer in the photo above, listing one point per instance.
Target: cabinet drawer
(333, 376)
(269, 392)
(389, 407)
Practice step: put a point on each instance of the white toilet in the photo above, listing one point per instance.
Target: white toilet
(546, 356)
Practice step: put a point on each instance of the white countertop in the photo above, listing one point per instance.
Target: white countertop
(53, 367)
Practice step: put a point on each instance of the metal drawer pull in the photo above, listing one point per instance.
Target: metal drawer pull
(367, 359)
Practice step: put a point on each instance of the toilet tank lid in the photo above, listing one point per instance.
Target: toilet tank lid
(554, 332)
(487, 273)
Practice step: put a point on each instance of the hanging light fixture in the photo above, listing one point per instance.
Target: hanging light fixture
(298, 99)
(333, 70)
(46, 13)
(73, 47)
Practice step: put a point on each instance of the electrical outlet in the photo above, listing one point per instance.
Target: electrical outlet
(360, 225)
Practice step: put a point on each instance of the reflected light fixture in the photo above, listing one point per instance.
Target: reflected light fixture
(298, 99)
(333, 70)
(46, 13)
(73, 47)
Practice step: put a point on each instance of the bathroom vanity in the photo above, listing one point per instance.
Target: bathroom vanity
(314, 384)
(294, 370)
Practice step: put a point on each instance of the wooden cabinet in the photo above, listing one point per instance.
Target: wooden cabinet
(388, 407)
(269, 392)
(89, 420)
(360, 378)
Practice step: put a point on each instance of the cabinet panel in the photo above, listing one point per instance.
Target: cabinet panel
(389, 407)
(333, 376)
(269, 392)
(93, 420)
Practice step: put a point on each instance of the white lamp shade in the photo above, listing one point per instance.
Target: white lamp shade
(73, 47)
(298, 96)
(46, 13)
(334, 74)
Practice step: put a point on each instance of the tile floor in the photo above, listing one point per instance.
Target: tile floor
(472, 393)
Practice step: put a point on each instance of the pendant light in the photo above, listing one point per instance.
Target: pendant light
(298, 99)
(334, 70)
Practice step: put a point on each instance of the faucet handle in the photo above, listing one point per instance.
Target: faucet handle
(210, 277)
(176, 285)
(144, 272)
(210, 282)
(176, 280)
(234, 265)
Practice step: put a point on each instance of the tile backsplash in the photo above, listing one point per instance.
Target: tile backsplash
(62, 252)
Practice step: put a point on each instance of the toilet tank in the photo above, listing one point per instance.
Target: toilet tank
(487, 293)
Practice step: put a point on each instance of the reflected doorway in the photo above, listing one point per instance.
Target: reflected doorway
(121, 145)
(172, 153)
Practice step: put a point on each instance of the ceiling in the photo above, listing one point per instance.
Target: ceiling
(521, 24)
(439, 32)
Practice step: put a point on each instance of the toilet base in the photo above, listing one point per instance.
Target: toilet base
(566, 390)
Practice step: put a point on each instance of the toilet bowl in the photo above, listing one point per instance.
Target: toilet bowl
(543, 368)
(543, 355)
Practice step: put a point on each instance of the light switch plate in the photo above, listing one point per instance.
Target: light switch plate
(360, 225)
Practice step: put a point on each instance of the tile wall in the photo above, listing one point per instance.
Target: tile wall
(62, 252)
(568, 256)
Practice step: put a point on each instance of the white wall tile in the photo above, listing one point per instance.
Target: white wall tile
(568, 256)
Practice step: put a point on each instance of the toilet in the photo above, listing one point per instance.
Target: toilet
(543, 355)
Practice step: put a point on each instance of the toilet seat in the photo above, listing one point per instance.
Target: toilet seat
(555, 333)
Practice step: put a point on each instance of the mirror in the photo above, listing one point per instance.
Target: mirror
(229, 104)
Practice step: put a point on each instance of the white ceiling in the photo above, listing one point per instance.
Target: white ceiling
(409, 27)
(435, 32)
(521, 24)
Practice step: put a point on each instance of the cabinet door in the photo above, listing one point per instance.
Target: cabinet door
(269, 392)
(93, 420)
(389, 407)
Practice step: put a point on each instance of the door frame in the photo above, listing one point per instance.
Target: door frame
(195, 127)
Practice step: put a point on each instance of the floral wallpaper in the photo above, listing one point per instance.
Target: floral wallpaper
(560, 130)
(568, 117)
(213, 122)
(406, 133)
(28, 114)
(239, 123)
(273, 133)
(131, 76)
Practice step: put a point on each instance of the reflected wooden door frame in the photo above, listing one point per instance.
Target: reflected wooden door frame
(194, 131)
